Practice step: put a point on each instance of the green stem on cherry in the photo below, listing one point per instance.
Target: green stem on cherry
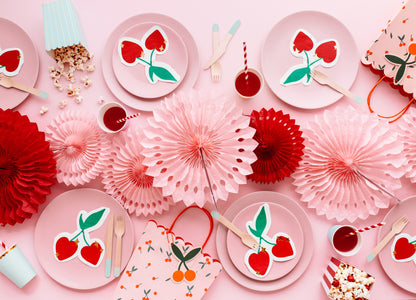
(144, 61)
(83, 235)
(1, 67)
(151, 57)
(307, 57)
(314, 62)
(413, 242)
(262, 239)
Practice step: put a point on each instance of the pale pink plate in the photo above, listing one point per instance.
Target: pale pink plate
(133, 78)
(12, 36)
(61, 216)
(276, 59)
(107, 65)
(402, 273)
(304, 260)
(282, 221)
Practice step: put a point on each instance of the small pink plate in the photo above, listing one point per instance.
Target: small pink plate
(304, 258)
(12, 36)
(282, 220)
(276, 59)
(133, 78)
(402, 273)
(61, 216)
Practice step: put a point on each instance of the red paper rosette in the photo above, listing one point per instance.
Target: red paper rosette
(27, 168)
(280, 146)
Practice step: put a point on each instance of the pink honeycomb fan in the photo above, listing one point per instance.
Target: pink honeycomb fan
(125, 179)
(182, 125)
(79, 146)
(342, 147)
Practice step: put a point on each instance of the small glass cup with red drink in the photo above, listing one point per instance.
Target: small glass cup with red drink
(345, 239)
(110, 117)
(248, 85)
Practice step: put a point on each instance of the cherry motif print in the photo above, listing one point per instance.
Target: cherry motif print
(79, 244)
(403, 248)
(11, 61)
(189, 274)
(280, 248)
(314, 53)
(144, 52)
(402, 63)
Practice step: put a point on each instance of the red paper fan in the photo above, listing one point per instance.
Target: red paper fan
(280, 146)
(27, 168)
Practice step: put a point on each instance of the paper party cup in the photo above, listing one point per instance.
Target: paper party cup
(345, 239)
(14, 265)
(109, 114)
(251, 87)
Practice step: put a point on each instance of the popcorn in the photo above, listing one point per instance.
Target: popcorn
(100, 100)
(72, 91)
(85, 80)
(78, 99)
(344, 282)
(90, 68)
(43, 110)
(62, 104)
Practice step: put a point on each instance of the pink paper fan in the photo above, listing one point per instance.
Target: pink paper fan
(125, 179)
(280, 145)
(27, 168)
(336, 145)
(407, 135)
(183, 124)
(80, 147)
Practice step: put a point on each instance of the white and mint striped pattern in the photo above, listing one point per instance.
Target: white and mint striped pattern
(61, 25)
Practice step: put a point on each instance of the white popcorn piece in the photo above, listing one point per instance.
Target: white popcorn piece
(43, 110)
(100, 100)
(78, 99)
(90, 68)
(62, 104)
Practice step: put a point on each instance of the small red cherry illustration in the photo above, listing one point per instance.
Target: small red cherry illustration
(335, 283)
(64, 248)
(92, 253)
(327, 51)
(130, 51)
(283, 248)
(403, 249)
(10, 60)
(302, 42)
(156, 41)
(259, 262)
(350, 278)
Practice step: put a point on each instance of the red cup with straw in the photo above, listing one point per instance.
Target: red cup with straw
(248, 82)
(112, 117)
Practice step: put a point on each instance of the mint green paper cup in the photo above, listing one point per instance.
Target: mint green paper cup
(14, 265)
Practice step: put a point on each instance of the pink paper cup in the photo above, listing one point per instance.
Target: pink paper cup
(100, 117)
(254, 86)
(14, 265)
(335, 233)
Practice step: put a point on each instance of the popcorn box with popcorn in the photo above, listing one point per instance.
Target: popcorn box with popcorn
(344, 282)
(61, 26)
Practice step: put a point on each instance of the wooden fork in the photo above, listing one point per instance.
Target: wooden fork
(7, 82)
(323, 79)
(396, 228)
(119, 229)
(216, 70)
(246, 239)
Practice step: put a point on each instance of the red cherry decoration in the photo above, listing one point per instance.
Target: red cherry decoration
(302, 42)
(350, 278)
(283, 248)
(335, 283)
(10, 60)
(156, 41)
(64, 248)
(403, 249)
(259, 262)
(92, 253)
(327, 51)
(130, 51)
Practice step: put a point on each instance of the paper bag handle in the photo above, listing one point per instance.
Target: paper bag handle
(211, 222)
(396, 116)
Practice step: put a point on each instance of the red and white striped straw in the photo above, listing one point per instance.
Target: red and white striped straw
(367, 228)
(3, 245)
(245, 60)
(127, 118)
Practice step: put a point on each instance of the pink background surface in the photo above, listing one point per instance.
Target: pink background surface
(364, 19)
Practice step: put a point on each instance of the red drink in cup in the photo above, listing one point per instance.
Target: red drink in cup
(345, 240)
(109, 114)
(248, 86)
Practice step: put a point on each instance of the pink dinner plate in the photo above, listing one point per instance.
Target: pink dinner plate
(402, 273)
(133, 78)
(107, 64)
(304, 259)
(282, 220)
(12, 36)
(61, 216)
(276, 59)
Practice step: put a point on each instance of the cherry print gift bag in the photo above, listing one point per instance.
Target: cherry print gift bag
(392, 55)
(166, 267)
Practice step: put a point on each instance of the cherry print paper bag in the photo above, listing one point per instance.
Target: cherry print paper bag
(164, 266)
(392, 55)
